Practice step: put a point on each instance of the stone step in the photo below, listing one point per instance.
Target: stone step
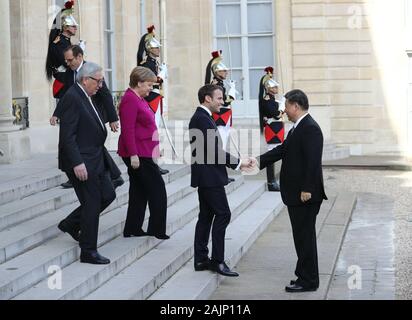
(35, 205)
(16, 240)
(143, 277)
(35, 182)
(336, 153)
(26, 270)
(83, 278)
(239, 237)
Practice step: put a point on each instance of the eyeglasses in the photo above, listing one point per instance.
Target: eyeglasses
(99, 81)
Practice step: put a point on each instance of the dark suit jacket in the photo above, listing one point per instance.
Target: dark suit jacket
(209, 160)
(301, 156)
(81, 137)
(102, 100)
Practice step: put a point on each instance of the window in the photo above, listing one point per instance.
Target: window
(248, 26)
(109, 58)
(408, 25)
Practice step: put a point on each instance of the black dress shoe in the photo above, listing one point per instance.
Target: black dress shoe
(298, 288)
(159, 236)
(163, 171)
(203, 265)
(230, 180)
(117, 182)
(93, 257)
(140, 233)
(64, 227)
(222, 269)
(293, 282)
(67, 185)
(273, 187)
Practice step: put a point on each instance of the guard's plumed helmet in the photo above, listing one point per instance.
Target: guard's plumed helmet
(147, 42)
(63, 19)
(69, 21)
(267, 82)
(66, 15)
(215, 65)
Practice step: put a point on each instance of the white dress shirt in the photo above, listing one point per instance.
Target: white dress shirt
(91, 103)
(77, 71)
(299, 120)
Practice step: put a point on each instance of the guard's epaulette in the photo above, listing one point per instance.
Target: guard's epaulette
(215, 82)
(143, 61)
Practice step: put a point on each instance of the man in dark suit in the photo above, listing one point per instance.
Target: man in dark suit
(301, 185)
(209, 175)
(103, 100)
(83, 157)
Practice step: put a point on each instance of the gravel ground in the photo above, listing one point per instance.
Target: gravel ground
(398, 185)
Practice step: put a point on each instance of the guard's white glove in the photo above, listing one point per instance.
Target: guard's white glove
(282, 104)
(82, 44)
(270, 121)
(232, 89)
(163, 73)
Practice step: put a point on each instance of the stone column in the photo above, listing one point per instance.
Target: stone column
(13, 143)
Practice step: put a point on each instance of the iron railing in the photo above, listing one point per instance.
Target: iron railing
(20, 110)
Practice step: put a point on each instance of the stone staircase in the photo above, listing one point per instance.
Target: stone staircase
(32, 248)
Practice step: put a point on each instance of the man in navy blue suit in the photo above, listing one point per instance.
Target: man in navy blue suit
(209, 175)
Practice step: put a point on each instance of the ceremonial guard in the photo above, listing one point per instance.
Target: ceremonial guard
(64, 27)
(270, 116)
(148, 56)
(217, 73)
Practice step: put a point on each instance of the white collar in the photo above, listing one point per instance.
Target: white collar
(299, 120)
(81, 65)
(88, 97)
(206, 109)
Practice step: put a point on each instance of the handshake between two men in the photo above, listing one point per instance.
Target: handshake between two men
(250, 166)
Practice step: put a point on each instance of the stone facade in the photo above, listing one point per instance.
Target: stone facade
(341, 53)
(348, 55)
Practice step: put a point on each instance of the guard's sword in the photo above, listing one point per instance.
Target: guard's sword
(169, 138)
(230, 51)
(230, 67)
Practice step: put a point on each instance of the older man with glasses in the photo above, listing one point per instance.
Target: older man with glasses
(103, 100)
(83, 157)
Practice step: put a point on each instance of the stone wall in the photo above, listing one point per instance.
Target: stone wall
(334, 61)
(348, 55)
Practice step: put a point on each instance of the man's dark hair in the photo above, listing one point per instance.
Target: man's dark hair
(207, 90)
(299, 97)
(76, 49)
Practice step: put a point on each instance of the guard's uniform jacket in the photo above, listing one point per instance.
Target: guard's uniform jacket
(56, 51)
(155, 96)
(225, 115)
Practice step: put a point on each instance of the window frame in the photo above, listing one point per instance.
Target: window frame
(240, 107)
(109, 45)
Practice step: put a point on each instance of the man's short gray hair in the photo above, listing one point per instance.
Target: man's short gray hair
(88, 69)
